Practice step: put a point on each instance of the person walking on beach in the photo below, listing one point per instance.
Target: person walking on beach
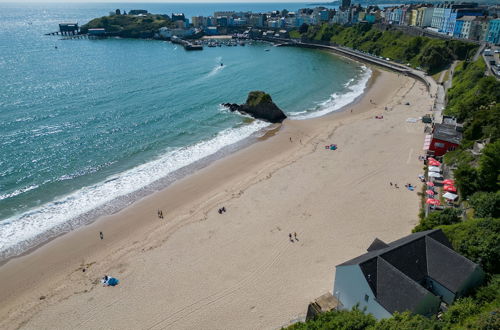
(295, 235)
(290, 139)
(290, 236)
(101, 235)
(390, 183)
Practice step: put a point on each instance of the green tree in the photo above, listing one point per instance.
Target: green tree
(466, 178)
(346, 320)
(477, 240)
(460, 311)
(407, 321)
(446, 217)
(486, 204)
(489, 167)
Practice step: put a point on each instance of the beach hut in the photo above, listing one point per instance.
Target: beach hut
(434, 169)
(434, 175)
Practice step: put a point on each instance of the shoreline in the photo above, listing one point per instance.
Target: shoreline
(136, 233)
(121, 202)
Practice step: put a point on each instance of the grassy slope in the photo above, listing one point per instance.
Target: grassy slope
(433, 55)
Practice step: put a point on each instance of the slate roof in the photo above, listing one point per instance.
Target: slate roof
(447, 133)
(397, 271)
(377, 244)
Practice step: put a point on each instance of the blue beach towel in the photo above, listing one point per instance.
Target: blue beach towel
(113, 281)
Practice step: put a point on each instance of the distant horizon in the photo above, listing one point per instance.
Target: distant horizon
(159, 1)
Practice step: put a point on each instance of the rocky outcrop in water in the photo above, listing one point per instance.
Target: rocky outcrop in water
(260, 106)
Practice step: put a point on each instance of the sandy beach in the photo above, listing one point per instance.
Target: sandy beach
(198, 269)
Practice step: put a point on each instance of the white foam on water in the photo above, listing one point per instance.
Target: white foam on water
(23, 231)
(338, 100)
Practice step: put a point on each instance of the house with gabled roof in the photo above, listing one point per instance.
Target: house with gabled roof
(416, 273)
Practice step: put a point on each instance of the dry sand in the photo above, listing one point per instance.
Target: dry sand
(197, 269)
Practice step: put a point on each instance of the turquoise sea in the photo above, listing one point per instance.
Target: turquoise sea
(90, 126)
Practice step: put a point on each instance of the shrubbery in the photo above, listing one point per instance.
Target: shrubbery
(446, 217)
(129, 26)
(430, 54)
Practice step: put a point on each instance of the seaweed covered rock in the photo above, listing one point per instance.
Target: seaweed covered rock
(260, 106)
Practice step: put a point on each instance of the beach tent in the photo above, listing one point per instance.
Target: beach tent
(450, 188)
(434, 169)
(450, 196)
(449, 182)
(432, 201)
(434, 175)
(430, 192)
(430, 184)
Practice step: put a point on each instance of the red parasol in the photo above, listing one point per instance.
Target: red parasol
(430, 184)
(434, 163)
(430, 192)
(450, 188)
(432, 201)
(449, 182)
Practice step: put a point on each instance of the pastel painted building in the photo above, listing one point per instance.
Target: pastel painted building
(415, 273)
(493, 34)
(438, 18)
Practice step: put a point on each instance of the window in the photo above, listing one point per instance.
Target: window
(367, 297)
(439, 145)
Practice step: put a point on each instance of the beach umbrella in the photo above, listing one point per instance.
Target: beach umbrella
(434, 169)
(431, 161)
(450, 196)
(432, 201)
(449, 182)
(430, 184)
(434, 175)
(429, 192)
(450, 188)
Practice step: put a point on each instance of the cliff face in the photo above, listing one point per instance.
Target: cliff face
(260, 106)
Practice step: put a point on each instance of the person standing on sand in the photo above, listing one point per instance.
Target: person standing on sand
(101, 235)
(290, 139)
(290, 236)
(295, 235)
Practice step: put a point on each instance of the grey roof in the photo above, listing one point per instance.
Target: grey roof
(446, 266)
(396, 273)
(447, 133)
(377, 244)
(396, 291)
